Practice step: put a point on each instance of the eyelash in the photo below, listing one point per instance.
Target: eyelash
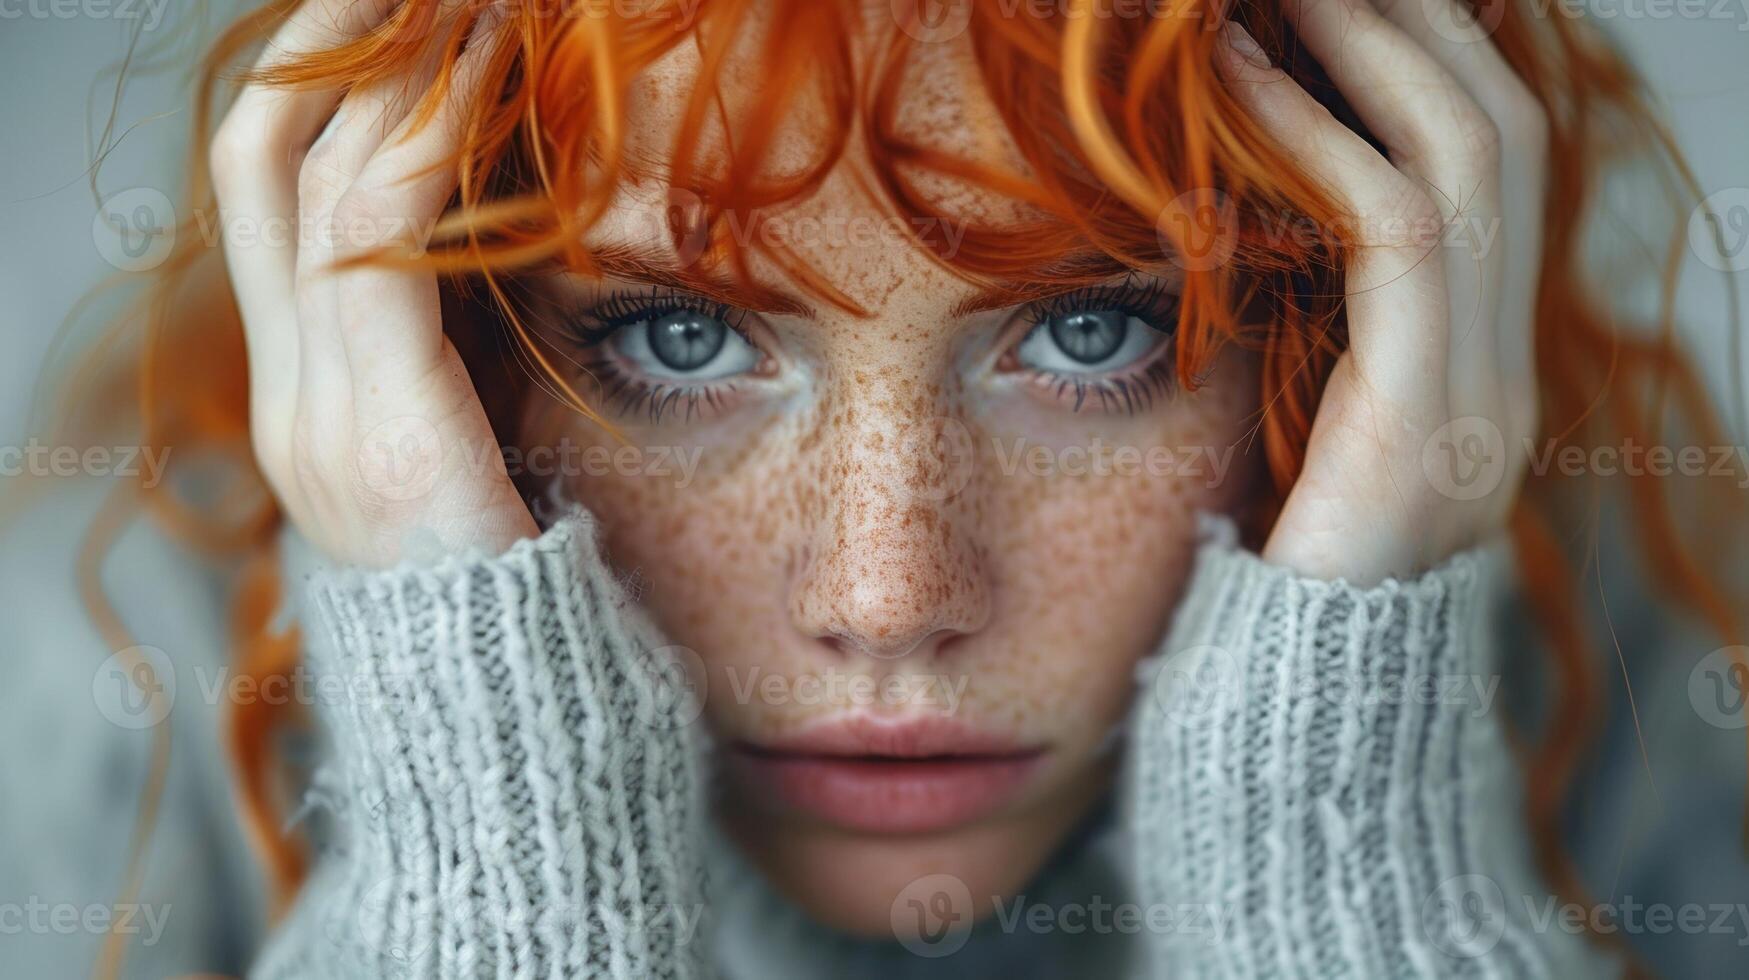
(1135, 390)
(1131, 392)
(590, 330)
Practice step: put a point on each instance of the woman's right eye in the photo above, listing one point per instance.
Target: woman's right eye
(660, 350)
(681, 344)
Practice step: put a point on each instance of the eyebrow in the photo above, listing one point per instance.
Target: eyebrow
(1079, 272)
(651, 268)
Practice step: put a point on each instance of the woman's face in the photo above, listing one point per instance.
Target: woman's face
(918, 551)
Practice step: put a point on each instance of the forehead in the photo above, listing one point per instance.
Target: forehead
(844, 230)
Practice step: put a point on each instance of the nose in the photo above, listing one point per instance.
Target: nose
(891, 567)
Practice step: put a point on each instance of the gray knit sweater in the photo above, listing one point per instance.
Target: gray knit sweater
(1315, 784)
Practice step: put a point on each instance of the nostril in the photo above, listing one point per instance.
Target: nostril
(838, 643)
(887, 646)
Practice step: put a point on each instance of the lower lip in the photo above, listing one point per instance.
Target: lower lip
(890, 796)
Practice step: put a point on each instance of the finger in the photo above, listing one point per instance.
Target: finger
(359, 128)
(1430, 124)
(254, 170)
(360, 124)
(1395, 291)
(1437, 132)
(1461, 44)
(389, 321)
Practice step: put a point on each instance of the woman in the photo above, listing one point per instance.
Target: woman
(943, 468)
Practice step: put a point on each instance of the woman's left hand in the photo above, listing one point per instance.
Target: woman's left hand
(1415, 451)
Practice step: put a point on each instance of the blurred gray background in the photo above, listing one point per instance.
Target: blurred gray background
(57, 61)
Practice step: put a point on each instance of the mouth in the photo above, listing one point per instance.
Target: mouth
(911, 777)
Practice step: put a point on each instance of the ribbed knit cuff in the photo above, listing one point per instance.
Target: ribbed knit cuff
(520, 789)
(1321, 768)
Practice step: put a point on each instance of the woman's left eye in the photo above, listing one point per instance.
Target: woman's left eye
(684, 345)
(1089, 342)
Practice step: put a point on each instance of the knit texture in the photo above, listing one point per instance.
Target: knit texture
(518, 793)
(1323, 766)
(1315, 785)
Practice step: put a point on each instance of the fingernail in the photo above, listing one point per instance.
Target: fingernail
(1241, 41)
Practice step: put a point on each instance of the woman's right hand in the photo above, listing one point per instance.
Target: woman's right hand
(364, 420)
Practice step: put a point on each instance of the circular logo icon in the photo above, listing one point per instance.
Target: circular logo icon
(1462, 22)
(1718, 230)
(1718, 687)
(1465, 459)
(368, 921)
(686, 228)
(135, 229)
(1193, 683)
(135, 688)
(676, 684)
(932, 916)
(1465, 916)
(1198, 230)
(933, 21)
(933, 460)
(399, 460)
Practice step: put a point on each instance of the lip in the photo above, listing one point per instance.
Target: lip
(910, 777)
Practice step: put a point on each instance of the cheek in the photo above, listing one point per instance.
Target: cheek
(1089, 530)
(710, 543)
(710, 552)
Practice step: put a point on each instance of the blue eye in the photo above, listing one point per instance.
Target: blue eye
(685, 345)
(1087, 342)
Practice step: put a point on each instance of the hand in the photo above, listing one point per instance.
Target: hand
(1412, 452)
(363, 418)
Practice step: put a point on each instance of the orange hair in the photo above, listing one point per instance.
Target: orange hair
(1115, 119)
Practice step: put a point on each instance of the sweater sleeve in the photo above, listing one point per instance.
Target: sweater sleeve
(1319, 779)
(517, 782)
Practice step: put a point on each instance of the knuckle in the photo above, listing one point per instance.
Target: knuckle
(305, 456)
(1417, 204)
(1472, 146)
(320, 177)
(360, 206)
(320, 466)
(361, 216)
(1479, 139)
(1463, 144)
(234, 151)
(1406, 216)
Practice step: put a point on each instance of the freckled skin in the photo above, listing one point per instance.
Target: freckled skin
(818, 536)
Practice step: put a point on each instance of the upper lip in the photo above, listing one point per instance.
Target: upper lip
(918, 738)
